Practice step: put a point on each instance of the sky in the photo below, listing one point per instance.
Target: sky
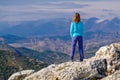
(27, 10)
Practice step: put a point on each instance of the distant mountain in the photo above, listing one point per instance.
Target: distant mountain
(8, 38)
(109, 26)
(58, 26)
(40, 27)
(12, 61)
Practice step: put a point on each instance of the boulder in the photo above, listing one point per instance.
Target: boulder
(112, 54)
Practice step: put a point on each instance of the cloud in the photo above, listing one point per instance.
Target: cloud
(108, 10)
(37, 11)
(14, 10)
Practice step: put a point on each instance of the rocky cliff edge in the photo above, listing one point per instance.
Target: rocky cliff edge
(105, 65)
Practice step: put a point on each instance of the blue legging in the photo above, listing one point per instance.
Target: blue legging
(75, 40)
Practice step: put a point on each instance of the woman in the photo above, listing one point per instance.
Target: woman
(76, 32)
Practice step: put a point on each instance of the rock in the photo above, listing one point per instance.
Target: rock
(114, 76)
(112, 55)
(104, 65)
(57, 72)
(100, 65)
(20, 75)
(70, 71)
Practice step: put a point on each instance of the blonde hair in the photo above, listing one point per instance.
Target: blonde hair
(76, 17)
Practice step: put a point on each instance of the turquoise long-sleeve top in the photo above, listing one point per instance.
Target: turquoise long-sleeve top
(76, 29)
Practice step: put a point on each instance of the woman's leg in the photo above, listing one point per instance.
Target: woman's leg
(80, 44)
(74, 41)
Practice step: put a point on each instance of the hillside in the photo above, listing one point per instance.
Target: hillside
(47, 56)
(12, 61)
(17, 59)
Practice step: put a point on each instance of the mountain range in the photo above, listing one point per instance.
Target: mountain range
(59, 26)
(44, 35)
(95, 24)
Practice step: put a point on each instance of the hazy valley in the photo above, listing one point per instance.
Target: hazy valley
(53, 35)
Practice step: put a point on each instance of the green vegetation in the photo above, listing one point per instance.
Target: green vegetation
(46, 56)
(7, 67)
(9, 64)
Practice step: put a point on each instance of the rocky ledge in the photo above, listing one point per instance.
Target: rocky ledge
(105, 65)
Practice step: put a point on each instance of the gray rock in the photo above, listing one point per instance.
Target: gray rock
(100, 65)
(112, 55)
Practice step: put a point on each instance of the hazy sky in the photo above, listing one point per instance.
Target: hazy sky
(20, 10)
